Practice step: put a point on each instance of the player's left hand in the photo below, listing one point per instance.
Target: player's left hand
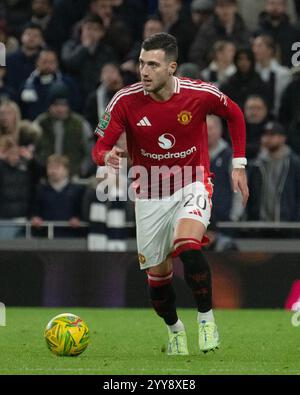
(239, 183)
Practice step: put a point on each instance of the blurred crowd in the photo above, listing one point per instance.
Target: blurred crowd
(65, 59)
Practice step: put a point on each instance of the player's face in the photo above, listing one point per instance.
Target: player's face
(155, 69)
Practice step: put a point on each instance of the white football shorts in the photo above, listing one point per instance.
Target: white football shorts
(156, 220)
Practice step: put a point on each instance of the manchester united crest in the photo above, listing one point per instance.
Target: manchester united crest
(142, 259)
(184, 117)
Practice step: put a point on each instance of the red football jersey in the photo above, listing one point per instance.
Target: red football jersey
(172, 132)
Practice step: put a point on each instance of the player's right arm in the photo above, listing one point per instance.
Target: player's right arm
(109, 129)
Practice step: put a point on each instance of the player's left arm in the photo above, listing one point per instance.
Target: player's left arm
(224, 107)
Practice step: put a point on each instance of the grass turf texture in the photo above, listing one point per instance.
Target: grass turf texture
(132, 341)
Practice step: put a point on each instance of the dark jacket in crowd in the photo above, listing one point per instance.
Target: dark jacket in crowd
(36, 93)
(184, 30)
(8, 93)
(15, 190)
(74, 140)
(253, 137)
(212, 31)
(52, 205)
(18, 68)
(222, 197)
(288, 191)
(65, 15)
(86, 65)
(240, 86)
(289, 112)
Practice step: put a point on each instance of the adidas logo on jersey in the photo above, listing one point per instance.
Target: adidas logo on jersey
(144, 122)
(196, 212)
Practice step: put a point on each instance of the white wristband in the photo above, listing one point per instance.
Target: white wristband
(239, 163)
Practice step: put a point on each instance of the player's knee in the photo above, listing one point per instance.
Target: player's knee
(185, 244)
(190, 253)
(188, 244)
(192, 258)
(158, 280)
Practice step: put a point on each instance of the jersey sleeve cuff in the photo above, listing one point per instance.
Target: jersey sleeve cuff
(239, 163)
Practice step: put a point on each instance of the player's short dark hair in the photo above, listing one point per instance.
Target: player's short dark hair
(164, 41)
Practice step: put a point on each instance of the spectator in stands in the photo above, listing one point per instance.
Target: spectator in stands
(274, 179)
(87, 54)
(66, 13)
(189, 70)
(21, 63)
(10, 42)
(219, 241)
(274, 21)
(16, 13)
(245, 81)
(201, 11)
(42, 11)
(134, 14)
(176, 22)
(111, 221)
(256, 116)
(16, 188)
(23, 133)
(64, 133)
(152, 25)
(289, 113)
(224, 204)
(58, 199)
(220, 163)
(271, 72)
(10, 117)
(6, 91)
(225, 24)
(117, 33)
(111, 82)
(37, 88)
(222, 66)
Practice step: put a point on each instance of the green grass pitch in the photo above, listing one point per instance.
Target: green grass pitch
(132, 341)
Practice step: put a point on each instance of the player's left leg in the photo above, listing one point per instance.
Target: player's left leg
(187, 245)
(162, 296)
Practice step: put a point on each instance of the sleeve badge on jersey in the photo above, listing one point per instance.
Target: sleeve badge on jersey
(184, 117)
(104, 121)
(98, 131)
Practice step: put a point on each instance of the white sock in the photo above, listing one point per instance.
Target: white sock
(208, 316)
(178, 326)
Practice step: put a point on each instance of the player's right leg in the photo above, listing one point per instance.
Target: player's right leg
(162, 297)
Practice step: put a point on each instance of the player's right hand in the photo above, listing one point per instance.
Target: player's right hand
(113, 158)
